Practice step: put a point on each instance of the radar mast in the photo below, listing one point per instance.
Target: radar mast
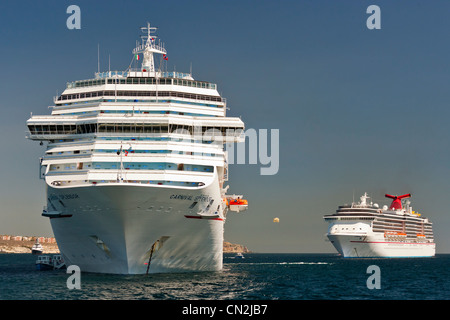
(148, 47)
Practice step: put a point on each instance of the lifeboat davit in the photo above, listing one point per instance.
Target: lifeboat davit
(237, 205)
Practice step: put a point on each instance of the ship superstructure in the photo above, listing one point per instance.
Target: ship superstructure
(365, 230)
(135, 168)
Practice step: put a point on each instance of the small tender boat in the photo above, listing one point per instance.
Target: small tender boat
(46, 262)
(37, 248)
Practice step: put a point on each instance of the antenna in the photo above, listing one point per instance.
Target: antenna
(148, 47)
(98, 57)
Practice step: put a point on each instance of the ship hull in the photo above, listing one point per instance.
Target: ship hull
(361, 246)
(133, 229)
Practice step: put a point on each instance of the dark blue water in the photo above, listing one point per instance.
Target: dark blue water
(257, 277)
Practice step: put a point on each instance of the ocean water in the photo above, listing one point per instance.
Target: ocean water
(256, 277)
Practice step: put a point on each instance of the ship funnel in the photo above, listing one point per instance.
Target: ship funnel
(397, 201)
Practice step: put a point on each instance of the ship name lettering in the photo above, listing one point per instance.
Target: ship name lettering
(63, 196)
(181, 197)
(202, 198)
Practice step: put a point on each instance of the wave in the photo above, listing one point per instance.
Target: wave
(282, 263)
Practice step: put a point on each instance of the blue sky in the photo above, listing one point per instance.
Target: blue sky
(358, 110)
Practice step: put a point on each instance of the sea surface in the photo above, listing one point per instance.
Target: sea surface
(256, 277)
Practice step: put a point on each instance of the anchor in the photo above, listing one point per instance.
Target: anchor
(159, 242)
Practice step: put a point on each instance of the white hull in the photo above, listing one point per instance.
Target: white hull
(361, 246)
(112, 228)
(135, 169)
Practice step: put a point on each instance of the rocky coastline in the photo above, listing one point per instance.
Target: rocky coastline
(23, 244)
(234, 248)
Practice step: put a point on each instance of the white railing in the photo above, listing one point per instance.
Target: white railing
(153, 47)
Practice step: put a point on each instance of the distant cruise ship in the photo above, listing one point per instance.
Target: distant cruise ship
(364, 230)
(135, 168)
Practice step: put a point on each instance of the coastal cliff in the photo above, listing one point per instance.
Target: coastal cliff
(23, 244)
(230, 247)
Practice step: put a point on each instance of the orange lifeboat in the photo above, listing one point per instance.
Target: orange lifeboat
(238, 204)
(420, 235)
(394, 234)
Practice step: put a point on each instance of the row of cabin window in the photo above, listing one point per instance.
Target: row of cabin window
(130, 138)
(121, 93)
(128, 112)
(98, 82)
(134, 151)
(146, 80)
(158, 100)
(128, 128)
(131, 166)
(155, 182)
(144, 138)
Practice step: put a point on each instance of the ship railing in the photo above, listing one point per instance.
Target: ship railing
(175, 74)
(122, 180)
(164, 74)
(53, 135)
(140, 48)
(110, 74)
(355, 205)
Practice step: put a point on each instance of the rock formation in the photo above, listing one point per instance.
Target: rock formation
(230, 247)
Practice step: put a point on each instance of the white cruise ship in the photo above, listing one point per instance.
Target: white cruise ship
(135, 168)
(364, 230)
